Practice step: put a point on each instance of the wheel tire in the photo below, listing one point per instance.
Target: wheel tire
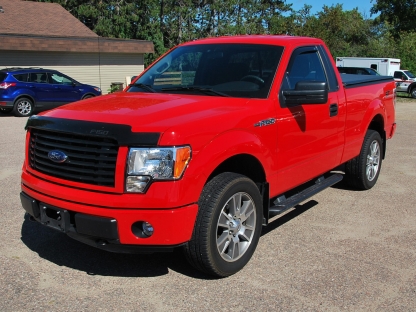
(228, 225)
(87, 97)
(23, 107)
(362, 172)
(413, 93)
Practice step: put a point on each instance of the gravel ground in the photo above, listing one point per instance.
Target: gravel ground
(341, 251)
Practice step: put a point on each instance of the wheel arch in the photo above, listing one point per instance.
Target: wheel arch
(244, 164)
(411, 87)
(251, 167)
(25, 96)
(237, 151)
(89, 95)
(377, 124)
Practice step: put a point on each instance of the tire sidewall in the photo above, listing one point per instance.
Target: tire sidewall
(238, 185)
(370, 138)
(16, 111)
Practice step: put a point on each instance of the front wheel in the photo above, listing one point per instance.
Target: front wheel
(362, 172)
(228, 225)
(413, 93)
(23, 107)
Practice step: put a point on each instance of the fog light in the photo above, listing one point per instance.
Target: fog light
(142, 229)
(147, 228)
(137, 184)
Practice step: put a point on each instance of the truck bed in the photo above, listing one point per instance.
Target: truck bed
(352, 81)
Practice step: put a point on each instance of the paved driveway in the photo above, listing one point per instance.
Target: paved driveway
(341, 251)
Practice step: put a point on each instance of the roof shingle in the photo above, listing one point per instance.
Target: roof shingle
(40, 19)
(40, 26)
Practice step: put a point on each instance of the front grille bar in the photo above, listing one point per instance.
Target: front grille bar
(91, 159)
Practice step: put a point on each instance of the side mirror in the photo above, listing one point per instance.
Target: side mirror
(306, 92)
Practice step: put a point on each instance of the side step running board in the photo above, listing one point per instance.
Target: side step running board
(281, 204)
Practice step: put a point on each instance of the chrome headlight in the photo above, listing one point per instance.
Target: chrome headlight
(147, 164)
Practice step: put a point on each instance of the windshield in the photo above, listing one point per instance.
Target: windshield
(238, 70)
(409, 74)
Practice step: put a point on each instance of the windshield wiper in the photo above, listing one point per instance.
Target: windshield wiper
(143, 86)
(200, 89)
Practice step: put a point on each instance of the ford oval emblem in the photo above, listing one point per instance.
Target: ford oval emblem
(57, 156)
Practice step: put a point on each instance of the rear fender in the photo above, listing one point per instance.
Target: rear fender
(375, 114)
(27, 94)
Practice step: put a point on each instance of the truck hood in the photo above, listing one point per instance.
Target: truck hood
(149, 112)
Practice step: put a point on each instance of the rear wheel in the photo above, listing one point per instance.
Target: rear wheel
(362, 172)
(228, 225)
(23, 107)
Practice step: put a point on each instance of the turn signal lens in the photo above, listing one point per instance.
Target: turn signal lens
(183, 155)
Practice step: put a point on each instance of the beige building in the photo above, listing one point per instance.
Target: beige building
(36, 34)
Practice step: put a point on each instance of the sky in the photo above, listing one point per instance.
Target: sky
(363, 6)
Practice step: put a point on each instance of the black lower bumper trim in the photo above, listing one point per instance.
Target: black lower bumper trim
(30, 205)
(120, 248)
(99, 232)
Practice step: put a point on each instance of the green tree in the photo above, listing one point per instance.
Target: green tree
(406, 51)
(400, 14)
(346, 33)
(170, 22)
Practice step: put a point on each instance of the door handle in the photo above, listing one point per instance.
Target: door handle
(333, 110)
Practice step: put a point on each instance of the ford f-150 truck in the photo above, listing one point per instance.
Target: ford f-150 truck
(213, 141)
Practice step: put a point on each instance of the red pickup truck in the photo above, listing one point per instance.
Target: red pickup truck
(215, 139)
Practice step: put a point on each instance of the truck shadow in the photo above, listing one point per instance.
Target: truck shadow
(292, 214)
(61, 250)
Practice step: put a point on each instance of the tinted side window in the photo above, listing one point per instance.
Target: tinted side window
(38, 77)
(329, 69)
(305, 66)
(3, 76)
(60, 79)
(398, 75)
(21, 77)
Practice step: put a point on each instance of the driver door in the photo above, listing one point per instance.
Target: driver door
(308, 135)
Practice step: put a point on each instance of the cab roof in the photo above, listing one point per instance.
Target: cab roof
(281, 40)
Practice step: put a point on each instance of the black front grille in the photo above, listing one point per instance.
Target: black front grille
(91, 159)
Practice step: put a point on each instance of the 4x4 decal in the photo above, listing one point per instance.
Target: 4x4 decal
(266, 122)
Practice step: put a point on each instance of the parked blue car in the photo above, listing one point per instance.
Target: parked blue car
(28, 90)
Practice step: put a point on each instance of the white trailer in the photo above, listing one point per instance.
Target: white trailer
(405, 80)
(385, 66)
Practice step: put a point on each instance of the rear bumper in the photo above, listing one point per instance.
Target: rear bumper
(116, 230)
(6, 104)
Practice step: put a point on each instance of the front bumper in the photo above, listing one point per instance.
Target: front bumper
(114, 230)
